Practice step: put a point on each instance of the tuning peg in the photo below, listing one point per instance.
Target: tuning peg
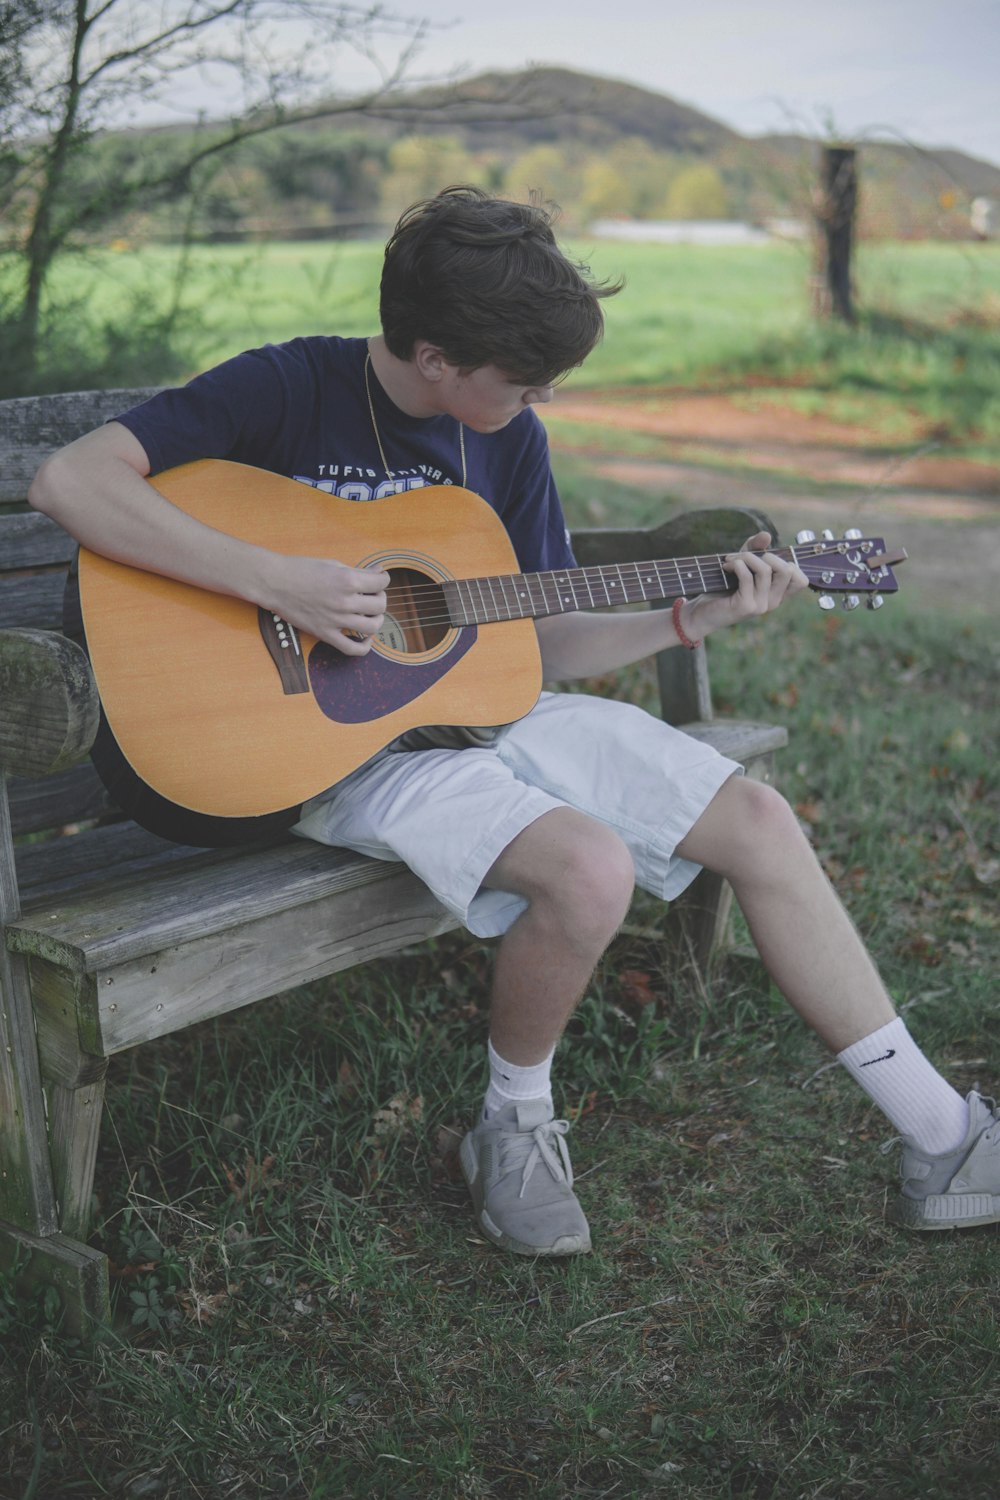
(828, 535)
(851, 601)
(825, 601)
(801, 537)
(852, 534)
(875, 601)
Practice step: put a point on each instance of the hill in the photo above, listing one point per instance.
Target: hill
(512, 111)
(907, 189)
(599, 146)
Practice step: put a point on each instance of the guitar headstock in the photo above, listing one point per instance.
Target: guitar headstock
(853, 566)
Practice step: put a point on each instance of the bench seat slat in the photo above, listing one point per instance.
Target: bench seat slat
(739, 739)
(121, 851)
(193, 895)
(142, 998)
(188, 895)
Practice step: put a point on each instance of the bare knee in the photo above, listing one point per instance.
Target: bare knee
(747, 827)
(599, 881)
(577, 875)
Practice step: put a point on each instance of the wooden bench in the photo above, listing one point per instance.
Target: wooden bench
(112, 937)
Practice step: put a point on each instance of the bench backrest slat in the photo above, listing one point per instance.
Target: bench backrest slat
(32, 427)
(33, 601)
(73, 796)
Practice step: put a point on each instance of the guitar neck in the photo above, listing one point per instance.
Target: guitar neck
(518, 596)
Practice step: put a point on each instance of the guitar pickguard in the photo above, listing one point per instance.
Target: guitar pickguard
(358, 690)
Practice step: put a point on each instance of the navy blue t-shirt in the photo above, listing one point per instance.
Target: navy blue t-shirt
(301, 409)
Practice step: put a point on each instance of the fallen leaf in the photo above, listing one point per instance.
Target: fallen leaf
(637, 987)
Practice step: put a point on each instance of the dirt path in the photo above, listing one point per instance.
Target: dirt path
(945, 511)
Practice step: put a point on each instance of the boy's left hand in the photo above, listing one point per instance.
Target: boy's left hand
(764, 580)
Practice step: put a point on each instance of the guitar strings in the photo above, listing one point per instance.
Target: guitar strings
(710, 570)
(703, 564)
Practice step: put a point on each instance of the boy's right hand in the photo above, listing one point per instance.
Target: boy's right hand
(342, 606)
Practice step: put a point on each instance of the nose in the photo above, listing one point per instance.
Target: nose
(538, 395)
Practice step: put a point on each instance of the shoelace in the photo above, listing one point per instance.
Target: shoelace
(525, 1149)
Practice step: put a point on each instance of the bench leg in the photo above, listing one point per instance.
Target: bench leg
(703, 914)
(74, 1128)
(77, 1272)
(53, 1254)
(704, 910)
(73, 1079)
(27, 1196)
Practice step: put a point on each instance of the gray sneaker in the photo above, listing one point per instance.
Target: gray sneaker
(519, 1174)
(958, 1189)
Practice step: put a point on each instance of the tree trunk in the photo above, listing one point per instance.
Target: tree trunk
(836, 202)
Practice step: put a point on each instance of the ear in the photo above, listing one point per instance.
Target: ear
(429, 360)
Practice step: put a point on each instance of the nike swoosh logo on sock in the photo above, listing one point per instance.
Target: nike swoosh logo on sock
(884, 1058)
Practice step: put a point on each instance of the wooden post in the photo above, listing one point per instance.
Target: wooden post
(836, 203)
(27, 1191)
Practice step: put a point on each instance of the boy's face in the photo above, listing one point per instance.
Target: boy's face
(486, 399)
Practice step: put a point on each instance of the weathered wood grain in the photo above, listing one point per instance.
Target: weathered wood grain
(35, 601)
(50, 703)
(78, 1273)
(32, 427)
(740, 739)
(120, 851)
(139, 999)
(68, 797)
(690, 534)
(75, 1124)
(108, 921)
(27, 1194)
(64, 1008)
(30, 540)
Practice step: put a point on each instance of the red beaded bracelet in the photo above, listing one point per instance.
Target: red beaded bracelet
(681, 633)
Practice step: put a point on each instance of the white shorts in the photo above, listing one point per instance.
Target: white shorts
(449, 814)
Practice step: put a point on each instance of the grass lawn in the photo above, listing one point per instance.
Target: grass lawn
(305, 1308)
(927, 345)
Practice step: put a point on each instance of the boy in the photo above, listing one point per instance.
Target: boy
(534, 833)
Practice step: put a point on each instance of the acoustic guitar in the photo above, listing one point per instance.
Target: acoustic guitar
(220, 719)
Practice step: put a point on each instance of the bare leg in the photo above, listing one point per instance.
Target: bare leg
(749, 834)
(578, 877)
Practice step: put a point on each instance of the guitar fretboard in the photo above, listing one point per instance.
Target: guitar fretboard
(518, 596)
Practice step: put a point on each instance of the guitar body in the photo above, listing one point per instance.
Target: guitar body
(204, 714)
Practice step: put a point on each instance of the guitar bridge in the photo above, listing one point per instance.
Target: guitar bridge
(285, 649)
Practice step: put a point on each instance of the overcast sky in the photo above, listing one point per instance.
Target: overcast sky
(928, 69)
(923, 70)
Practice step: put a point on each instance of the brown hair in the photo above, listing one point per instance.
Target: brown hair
(483, 279)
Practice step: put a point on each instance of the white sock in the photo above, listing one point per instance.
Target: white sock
(508, 1082)
(896, 1075)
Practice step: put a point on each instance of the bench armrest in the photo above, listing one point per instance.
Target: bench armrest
(685, 691)
(50, 703)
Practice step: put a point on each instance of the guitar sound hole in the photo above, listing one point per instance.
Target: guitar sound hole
(416, 617)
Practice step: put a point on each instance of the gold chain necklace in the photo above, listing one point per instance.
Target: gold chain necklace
(389, 474)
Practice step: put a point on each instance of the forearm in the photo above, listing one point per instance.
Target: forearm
(97, 491)
(575, 645)
(587, 645)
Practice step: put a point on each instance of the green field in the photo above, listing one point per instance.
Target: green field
(929, 335)
(306, 1310)
(303, 1306)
